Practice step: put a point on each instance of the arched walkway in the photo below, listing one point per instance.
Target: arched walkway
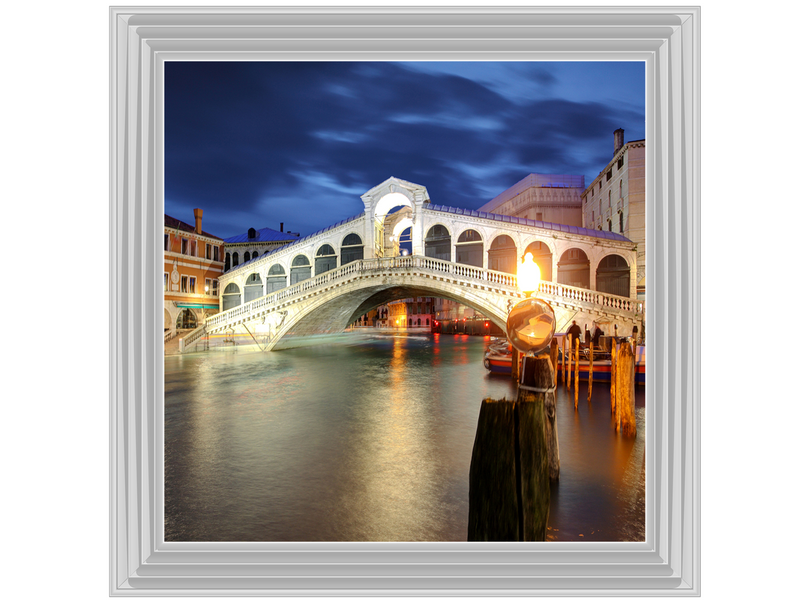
(614, 276)
(543, 258)
(437, 243)
(502, 255)
(573, 268)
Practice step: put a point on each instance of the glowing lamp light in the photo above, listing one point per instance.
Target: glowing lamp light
(528, 275)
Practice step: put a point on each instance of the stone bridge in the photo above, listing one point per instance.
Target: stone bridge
(328, 303)
(325, 281)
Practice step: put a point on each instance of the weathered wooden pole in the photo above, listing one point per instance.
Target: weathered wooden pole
(626, 415)
(577, 367)
(515, 364)
(591, 370)
(554, 360)
(613, 374)
(509, 476)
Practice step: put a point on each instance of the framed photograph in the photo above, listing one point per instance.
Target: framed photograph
(156, 59)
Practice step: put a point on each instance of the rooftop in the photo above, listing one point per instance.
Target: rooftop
(171, 222)
(263, 235)
(535, 181)
(476, 213)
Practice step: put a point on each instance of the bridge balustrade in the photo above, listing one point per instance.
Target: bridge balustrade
(367, 266)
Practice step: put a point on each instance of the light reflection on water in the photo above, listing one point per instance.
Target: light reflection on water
(369, 442)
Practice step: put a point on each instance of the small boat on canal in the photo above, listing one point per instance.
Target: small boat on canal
(498, 359)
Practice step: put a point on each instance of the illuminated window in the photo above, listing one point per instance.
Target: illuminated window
(208, 286)
(215, 287)
(191, 288)
(184, 284)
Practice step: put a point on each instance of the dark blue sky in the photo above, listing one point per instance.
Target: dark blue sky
(255, 144)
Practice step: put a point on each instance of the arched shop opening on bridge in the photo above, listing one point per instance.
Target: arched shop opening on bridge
(573, 268)
(543, 258)
(614, 276)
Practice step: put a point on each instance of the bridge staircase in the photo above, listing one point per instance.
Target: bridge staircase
(493, 293)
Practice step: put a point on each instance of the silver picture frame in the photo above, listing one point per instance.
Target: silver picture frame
(667, 40)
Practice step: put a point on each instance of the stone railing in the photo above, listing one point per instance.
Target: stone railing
(470, 274)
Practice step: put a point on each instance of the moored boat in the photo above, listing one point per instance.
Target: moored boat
(498, 359)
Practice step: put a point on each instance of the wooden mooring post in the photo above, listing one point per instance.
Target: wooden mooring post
(554, 360)
(577, 367)
(626, 415)
(591, 370)
(613, 375)
(509, 476)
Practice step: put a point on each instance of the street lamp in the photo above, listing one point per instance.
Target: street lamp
(531, 323)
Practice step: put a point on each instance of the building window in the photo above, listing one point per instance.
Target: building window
(215, 287)
(621, 189)
(166, 281)
(593, 215)
(608, 175)
(191, 288)
(208, 286)
(621, 221)
(609, 225)
(208, 254)
(192, 248)
(167, 242)
(609, 199)
(620, 162)
(184, 284)
(216, 254)
(235, 259)
(184, 244)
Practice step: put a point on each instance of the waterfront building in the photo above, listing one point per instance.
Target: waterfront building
(615, 202)
(411, 313)
(193, 263)
(253, 243)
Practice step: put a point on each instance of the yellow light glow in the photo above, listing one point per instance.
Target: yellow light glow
(528, 274)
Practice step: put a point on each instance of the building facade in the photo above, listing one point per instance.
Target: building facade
(552, 198)
(193, 262)
(615, 202)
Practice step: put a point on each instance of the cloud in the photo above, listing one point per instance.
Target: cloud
(299, 142)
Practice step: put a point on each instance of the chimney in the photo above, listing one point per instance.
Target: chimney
(281, 227)
(619, 134)
(198, 214)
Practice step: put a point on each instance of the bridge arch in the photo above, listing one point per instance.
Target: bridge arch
(543, 256)
(333, 311)
(276, 279)
(438, 242)
(325, 259)
(503, 254)
(253, 287)
(613, 275)
(300, 269)
(573, 268)
(351, 248)
(469, 248)
(231, 296)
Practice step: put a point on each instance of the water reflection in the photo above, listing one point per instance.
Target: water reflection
(368, 442)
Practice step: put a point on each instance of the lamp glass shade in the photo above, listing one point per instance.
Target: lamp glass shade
(531, 326)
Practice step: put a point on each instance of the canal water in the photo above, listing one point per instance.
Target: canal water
(370, 438)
